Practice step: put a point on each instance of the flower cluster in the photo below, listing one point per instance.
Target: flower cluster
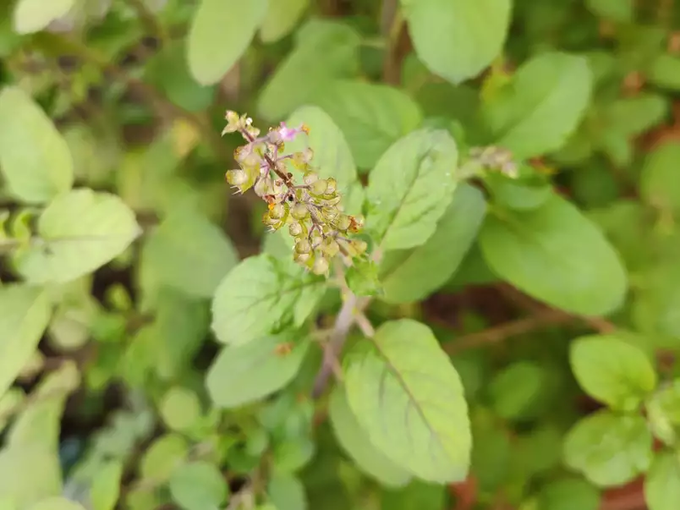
(312, 210)
(495, 158)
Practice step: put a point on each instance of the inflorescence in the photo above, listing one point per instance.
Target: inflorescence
(312, 210)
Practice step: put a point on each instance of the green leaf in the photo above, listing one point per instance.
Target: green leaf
(220, 33)
(34, 158)
(372, 116)
(25, 315)
(332, 155)
(165, 454)
(634, 115)
(286, 492)
(663, 412)
(357, 445)
(362, 278)
(180, 408)
(56, 503)
(457, 39)
(411, 275)
(281, 18)
(658, 182)
(542, 105)
(198, 486)
(609, 449)
(28, 474)
(324, 50)
(615, 10)
(34, 15)
(257, 298)
(569, 494)
(514, 389)
(557, 255)
(407, 396)
(106, 486)
(662, 484)
(188, 253)
(79, 232)
(612, 371)
(665, 72)
(410, 189)
(247, 373)
(415, 496)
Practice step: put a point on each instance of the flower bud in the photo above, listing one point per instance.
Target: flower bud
(359, 246)
(303, 246)
(295, 229)
(320, 265)
(302, 258)
(332, 186)
(310, 178)
(316, 238)
(300, 211)
(236, 177)
(330, 247)
(318, 187)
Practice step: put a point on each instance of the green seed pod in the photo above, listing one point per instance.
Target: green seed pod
(302, 258)
(310, 178)
(318, 187)
(332, 186)
(236, 177)
(295, 229)
(359, 246)
(330, 247)
(300, 211)
(303, 246)
(343, 222)
(278, 211)
(316, 239)
(320, 265)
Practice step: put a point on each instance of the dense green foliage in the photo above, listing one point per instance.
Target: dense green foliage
(339, 254)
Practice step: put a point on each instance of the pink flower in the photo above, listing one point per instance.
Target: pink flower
(288, 134)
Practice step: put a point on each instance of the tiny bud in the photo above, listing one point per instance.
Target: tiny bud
(295, 229)
(303, 246)
(236, 177)
(300, 211)
(332, 186)
(318, 187)
(310, 178)
(320, 265)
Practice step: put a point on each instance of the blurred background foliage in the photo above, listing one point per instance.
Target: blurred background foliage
(137, 90)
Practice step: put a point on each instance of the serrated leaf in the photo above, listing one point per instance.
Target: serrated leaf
(356, 443)
(34, 15)
(106, 486)
(281, 18)
(663, 412)
(324, 50)
(198, 485)
(408, 398)
(56, 503)
(612, 371)
(557, 255)
(25, 315)
(80, 231)
(34, 158)
(188, 253)
(287, 492)
(372, 116)
(411, 275)
(247, 373)
(257, 298)
(542, 106)
(457, 39)
(362, 278)
(220, 33)
(332, 156)
(410, 189)
(609, 449)
(658, 179)
(662, 483)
